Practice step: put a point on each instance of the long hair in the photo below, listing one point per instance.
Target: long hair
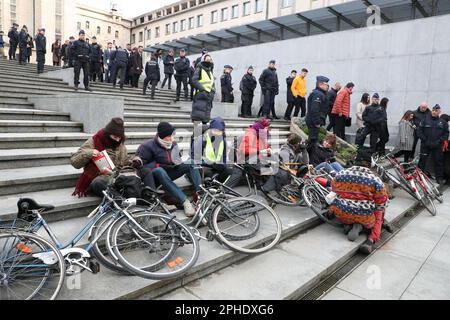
(365, 98)
(384, 102)
(407, 115)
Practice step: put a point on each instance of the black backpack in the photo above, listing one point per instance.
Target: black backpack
(129, 184)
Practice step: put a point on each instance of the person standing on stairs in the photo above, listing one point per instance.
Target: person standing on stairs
(153, 75)
(13, 36)
(317, 103)
(112, 139)
(182, 65)
(41, 50)
(270, 88)
(341, 110)
(56, 51)
(226, 85)
(298, 89)
(247, 86)
(119, 59)
(81, 53)
(30, 48)
(204, 84)
(2, 45)
(96, 61)
(332, 95)
(168, 62)
(136, 66)
(289, 96)
(191, 77)
(23, 44)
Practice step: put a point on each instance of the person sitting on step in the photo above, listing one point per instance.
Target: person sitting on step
(322, 156)
(111, 138)
(162, 155)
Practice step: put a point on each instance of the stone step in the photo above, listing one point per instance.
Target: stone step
(168, 109)
(302, 239)
(29, 79)
(62, 139)
(15, 104)
(32, 114)
(183, 125)
(34, 157)
(29, 68)
(12, 126)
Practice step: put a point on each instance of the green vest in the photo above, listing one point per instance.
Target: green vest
(206, 81)
(209, 154)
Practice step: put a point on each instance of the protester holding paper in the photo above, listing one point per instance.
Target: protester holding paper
(94, 179)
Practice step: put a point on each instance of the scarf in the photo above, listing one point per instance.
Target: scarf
(90, 171)
(165, 144)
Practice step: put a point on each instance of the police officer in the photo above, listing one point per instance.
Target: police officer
(96, 58)
(119, 59)
(373, 116)
(270, 88)
(70, 51)
(23, 45)
(153, 75)
(432, 132)
(13, 36)
(226, 84)
(81, 53)
(41, 50)
(317, 106)
(182, 65)
(247, 86)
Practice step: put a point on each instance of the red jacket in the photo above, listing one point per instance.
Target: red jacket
(342, 103)
(251, 144)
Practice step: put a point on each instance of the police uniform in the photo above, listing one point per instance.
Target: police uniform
(41, 50)
(315, 117)
(13, 36)
(247, 86)
(119, 59)
(95, 66)
(182, 66)
(433, 131)
(81, 53)
(270, 88)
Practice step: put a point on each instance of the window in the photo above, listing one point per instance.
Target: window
(87, 24)
(78, 25)
(286, 3)
(234, 11)
(183, 25)
(109, 29)
(175, 27)
(117, 34)
(149, 34)
(99, 30)
(133, 38)
(191, 23)
(141, 36)
(259, 6)
(167, 29)
(224, 14)
(58, 18)
(142, 20)
(157, 32)
(246, 8)
(200, 20)
(214, 16)
(13, 8)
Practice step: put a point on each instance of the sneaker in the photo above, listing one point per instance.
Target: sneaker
(354, 233)
(189, 210)
(367, 247)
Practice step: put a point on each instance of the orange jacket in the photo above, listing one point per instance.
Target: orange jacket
(251, 144)
(342, 103)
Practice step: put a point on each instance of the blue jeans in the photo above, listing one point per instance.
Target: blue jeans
(166, 176)
(334, 166)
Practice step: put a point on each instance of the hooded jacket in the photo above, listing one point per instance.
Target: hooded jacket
(198, 144)
(154, 155)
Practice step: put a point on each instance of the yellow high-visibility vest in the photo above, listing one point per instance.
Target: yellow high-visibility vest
(209, 153)
(206, 81)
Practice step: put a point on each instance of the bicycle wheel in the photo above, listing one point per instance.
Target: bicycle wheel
(426, 199)
(432, 189)
(160, 248)
(100, 247)
(31, 268)
(317, 203)
(290, 196)
(246, 225)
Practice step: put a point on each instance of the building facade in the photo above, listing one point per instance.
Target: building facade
(185, 18)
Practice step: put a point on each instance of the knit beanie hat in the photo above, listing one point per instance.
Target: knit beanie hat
(115, 127)
(165, 129)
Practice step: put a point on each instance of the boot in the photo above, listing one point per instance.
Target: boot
(367, 247)
(354, 233)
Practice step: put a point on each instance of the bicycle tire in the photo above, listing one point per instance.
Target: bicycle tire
(262, 245)
(155, 271)
(428, 203)
(57, 268)
(286, 196)
(432, 188)
(317, 203)
(401, 183)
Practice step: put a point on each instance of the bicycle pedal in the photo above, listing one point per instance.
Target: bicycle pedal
(209, 235)
(94, 266)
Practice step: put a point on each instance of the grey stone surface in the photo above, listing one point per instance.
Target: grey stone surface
(431, 283)
(339, 294)
(220, 109)
(94, 111)
(65, 75)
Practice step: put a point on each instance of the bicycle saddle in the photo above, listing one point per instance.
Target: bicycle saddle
(26, 205)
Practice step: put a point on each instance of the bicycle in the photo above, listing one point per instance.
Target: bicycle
(418, 184)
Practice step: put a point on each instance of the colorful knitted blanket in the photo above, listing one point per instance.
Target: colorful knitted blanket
(360, 193)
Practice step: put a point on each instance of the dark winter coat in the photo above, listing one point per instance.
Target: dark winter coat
(182, 66)
(269, 81)
(248, 84)
(433, 132)
(153, 155)
(23, 39)
(152, 70)
(41, 43)
(317, 106)
(202, 104)
(319, 154)
(289, 95)
(168, 64)
(136, 64)
(96, 53)
(225, 83)
(13, 36)
(81, 50)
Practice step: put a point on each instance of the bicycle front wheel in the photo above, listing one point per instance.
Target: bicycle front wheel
(155, 247)
(432, 189)
(31, 268)
(246, 225)
(315, 200)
